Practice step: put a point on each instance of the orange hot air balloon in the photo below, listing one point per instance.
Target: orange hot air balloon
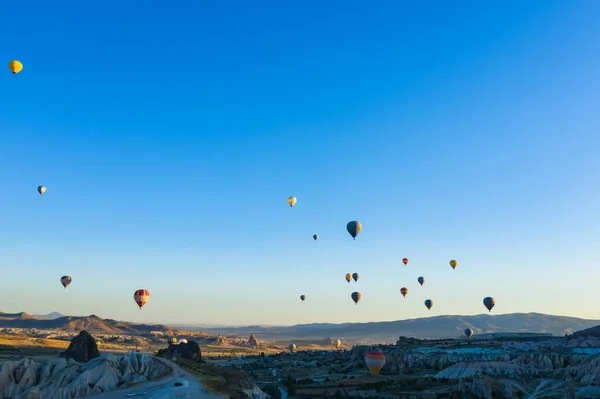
(348, 277)
(375, 361)
(405, 261)
(141, 297)
(404, 291)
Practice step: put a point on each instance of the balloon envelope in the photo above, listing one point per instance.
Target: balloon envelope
(405, 261)
(489, 303)
(41, 190)
(15, 66)
(375, 361)
(356, 297)
(468, 332)
(429, 304)
(354, 228)
(316, 237)
(453, 263)
(404, 291)
(303, 297)
(421, 280)
(141, 297)
(348, 277)
(291, 201)
(65, 280)
(355, 276)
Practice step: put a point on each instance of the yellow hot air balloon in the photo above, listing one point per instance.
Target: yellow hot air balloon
(292, 348)
(404, 291)
(375, 361)
(348, 277)
(15, 66)
(337, 343)
(291, 201)
(41, 190)
(453, 263)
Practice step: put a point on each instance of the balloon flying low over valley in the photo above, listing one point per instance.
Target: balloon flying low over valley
(300, 163)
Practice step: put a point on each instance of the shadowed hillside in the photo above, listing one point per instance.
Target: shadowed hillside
(93, 324)
(427, 327)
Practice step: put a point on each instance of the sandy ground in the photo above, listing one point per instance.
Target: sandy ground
(164, 388)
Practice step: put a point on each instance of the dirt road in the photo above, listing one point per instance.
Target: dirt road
(164, 388)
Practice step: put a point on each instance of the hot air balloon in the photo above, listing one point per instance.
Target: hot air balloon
(15, 66)
(173, 341)
(421, 280)
(375, 361)
(348, 277)
(291, 201)
(404, 291)
(303, 297)
(354, 228)
(468, 332)
(182, 341)
(405, 261)
(141, 297)
(356, 296)
(337, 343)
(41, 190)
(429, 304)
(355, 276)
(316, 237)
(292, 348)
(453, 263)
(65, 281)
(489, 302)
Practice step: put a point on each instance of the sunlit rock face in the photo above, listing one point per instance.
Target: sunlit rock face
(65, 378)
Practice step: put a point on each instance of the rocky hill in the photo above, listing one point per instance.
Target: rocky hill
(61, 378)
(588, 332)
(92, 324)
(427, 327)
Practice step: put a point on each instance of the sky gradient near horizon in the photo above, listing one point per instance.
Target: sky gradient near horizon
(169, 137)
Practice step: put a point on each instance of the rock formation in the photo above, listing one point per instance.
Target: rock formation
(82, 348)
(185, 350)
(253, 341)
(65, 378)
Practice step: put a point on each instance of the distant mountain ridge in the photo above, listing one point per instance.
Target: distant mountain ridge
(52, 315)
(427, 327)
(92, 324)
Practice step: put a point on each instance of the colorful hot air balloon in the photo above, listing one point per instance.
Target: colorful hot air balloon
(292, 348)
(316, 237)
(355, 276)
(375, 361)
(41, 190)
(141, 297)
(356, 296)
(405, 261)
(489, 302)
(429, 304)
(354, 228)
(404, 291)
(421, 280)
(303, 297)
(291, 201)
(468, 332)
(348, 277)
(65, 281)
(15, 66)
(453, 263)
(337, 343)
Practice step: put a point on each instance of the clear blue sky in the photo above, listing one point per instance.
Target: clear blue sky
(169, 137)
